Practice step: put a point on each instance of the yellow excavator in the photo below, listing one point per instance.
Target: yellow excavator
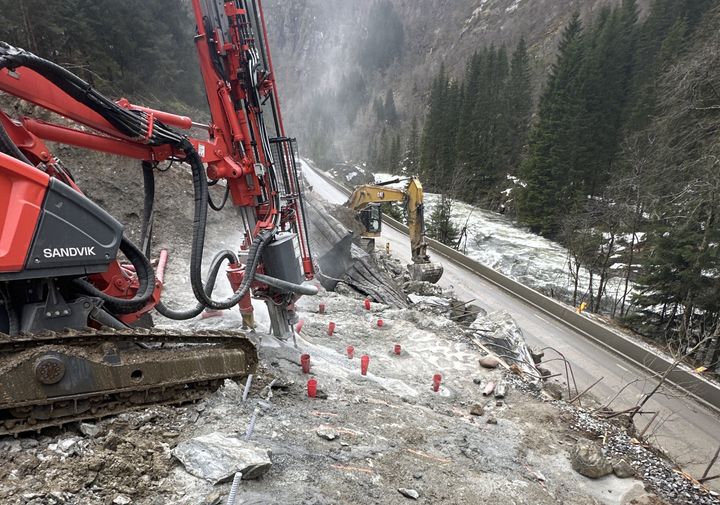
(367, 201)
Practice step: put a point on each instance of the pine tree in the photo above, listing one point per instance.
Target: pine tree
(395, 155)
(518, 100)
(550, 191)
(440, 225)
(433, 129)
(412, 152)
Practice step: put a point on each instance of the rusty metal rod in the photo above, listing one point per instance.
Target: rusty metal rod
(586, 390)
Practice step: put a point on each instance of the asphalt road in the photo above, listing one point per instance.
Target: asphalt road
(687, 431)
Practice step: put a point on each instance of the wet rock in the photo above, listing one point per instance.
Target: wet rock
(537, 355)
(217, 457)
(544, 372)
(623, 469)
(477, 380)
(422, 288)
(29, 443)
(409, 493)
(555, 390)
(477, 410)
(89, 430)
(489, 361)
(589, 460)
(327, 433)
(321, 395)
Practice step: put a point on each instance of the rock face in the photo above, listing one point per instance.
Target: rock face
(588, 459)
(217, 457)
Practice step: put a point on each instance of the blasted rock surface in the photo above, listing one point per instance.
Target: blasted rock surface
(217, 457)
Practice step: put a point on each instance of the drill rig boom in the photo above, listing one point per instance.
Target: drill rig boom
(59, 267)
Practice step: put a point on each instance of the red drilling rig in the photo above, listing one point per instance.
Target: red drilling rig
(69, 348)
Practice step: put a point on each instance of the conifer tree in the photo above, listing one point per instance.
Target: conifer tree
(550, 191)
(440, 225)
(412, 152)
(518, 100)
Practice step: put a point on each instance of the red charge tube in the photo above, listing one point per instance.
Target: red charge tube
(380, 323)
(321, 308)
(350, 352)
(298, 327)
(367, 303)
(331, 328)
(312, 388)
(364, 362)
(437, 379)
(305, 363)
(397, 350)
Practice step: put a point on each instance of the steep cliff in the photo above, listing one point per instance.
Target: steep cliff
(319, 46)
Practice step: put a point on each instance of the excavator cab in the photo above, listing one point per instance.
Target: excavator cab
(371, 220)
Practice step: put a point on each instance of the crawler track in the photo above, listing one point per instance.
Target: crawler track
(52, 379)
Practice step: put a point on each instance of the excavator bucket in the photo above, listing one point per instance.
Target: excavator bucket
(428, 272)
(335, 262)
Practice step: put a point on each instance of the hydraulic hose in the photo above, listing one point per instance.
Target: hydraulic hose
(148, 204)
(198, 241)
(145, 275)
(302, 289)
(8, 147)
(182, 315)
(221, 205)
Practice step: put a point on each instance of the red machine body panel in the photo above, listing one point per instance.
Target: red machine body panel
(25, 187)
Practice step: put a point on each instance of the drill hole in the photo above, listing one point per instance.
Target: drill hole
(136, 375)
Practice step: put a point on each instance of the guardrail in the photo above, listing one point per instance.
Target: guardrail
(703, 390)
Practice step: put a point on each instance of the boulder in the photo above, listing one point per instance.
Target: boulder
(589, 460)
(488, 361)
(217, 457)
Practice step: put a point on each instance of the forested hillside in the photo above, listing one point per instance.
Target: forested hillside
(138, 48)
(620, 163)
